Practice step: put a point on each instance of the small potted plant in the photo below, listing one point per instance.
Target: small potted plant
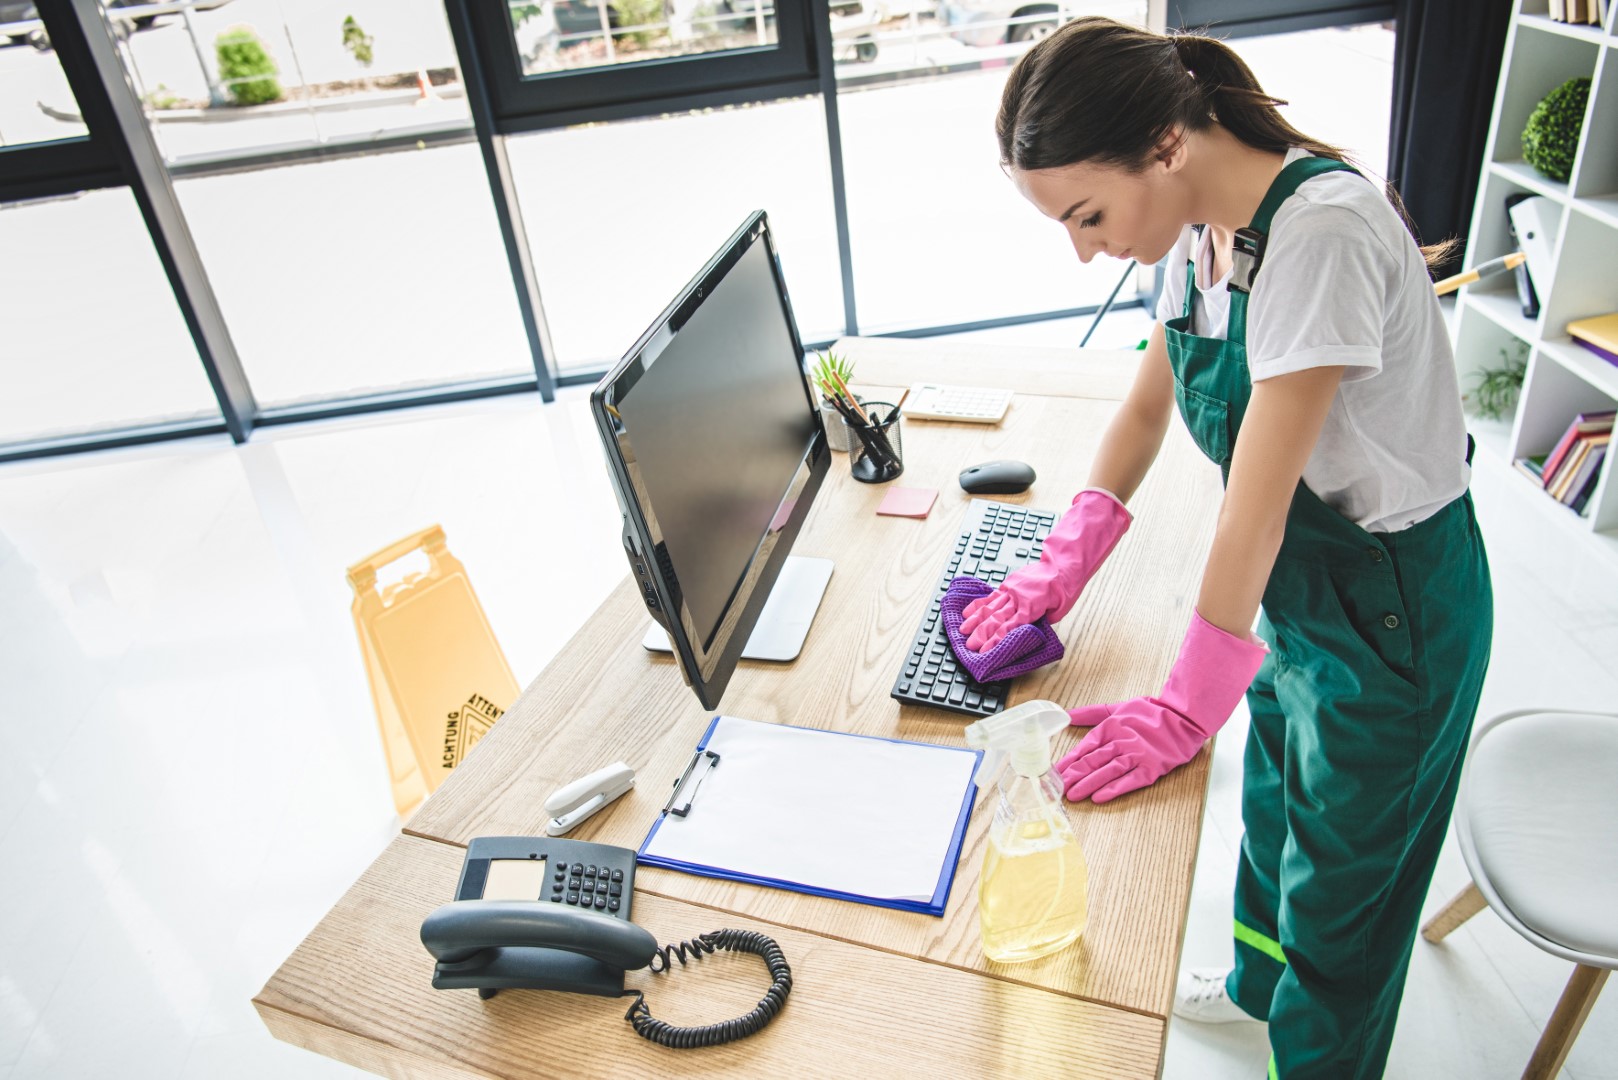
(824, 372)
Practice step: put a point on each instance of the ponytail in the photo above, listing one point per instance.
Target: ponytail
(1105, 92)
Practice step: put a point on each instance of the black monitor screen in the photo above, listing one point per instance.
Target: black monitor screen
(715, 449)
(720, 425)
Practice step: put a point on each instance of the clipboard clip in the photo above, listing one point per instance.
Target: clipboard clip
(708, 760)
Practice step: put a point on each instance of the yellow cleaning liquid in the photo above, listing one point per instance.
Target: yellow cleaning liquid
(1031, 897)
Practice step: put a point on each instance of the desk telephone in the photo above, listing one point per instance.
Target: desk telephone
(550, 914)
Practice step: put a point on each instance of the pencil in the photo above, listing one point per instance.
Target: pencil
(901, 404)
(849, 394)
(1483, 270)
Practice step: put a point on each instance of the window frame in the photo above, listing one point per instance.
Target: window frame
(523, 103)
(1251, 18)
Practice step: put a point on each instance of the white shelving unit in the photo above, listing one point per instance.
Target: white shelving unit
(1563, 379)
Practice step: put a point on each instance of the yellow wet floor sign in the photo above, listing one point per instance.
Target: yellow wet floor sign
(438, 677)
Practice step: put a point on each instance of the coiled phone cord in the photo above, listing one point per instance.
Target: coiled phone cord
(684, 1038)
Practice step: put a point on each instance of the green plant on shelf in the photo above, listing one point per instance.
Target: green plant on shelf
(827, 369)
(1495, 394)
(1551, 139)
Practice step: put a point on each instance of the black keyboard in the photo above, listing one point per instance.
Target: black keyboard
(995, 539)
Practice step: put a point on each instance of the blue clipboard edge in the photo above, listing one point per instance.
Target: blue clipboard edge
(946, 877)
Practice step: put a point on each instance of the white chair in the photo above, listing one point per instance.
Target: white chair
(1537, 819)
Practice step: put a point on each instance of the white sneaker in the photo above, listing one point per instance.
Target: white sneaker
(1200, 995)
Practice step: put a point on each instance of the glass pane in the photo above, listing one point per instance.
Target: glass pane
(1309, 69)
(94, 339)
(621, 216)
(228, 78)
(363, 275)
(36, 103)
(940, 236)
(567, 35)
(879, 40)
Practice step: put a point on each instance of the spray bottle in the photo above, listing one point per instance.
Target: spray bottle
(1031, 896)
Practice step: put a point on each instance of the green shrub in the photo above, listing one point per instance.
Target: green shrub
(241, 56)
(639, 13)
(358, 42)
(1552, 136)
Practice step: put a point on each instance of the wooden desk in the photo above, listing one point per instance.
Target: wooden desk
(875, 989)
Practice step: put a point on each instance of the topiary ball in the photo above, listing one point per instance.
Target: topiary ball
(1551, 138)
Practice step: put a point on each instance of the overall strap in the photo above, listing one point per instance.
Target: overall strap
(1248, 251)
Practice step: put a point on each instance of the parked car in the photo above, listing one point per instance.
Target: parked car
(999, 22)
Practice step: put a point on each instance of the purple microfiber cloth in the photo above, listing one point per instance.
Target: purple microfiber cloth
(1019, 652)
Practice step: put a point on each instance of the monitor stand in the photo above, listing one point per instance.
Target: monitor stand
(784, 623)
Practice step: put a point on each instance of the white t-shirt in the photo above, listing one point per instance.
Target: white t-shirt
(1342, 282)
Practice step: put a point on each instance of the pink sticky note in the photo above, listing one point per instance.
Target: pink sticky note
(908, 502)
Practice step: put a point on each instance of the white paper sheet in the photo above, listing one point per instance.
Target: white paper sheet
(829, 811)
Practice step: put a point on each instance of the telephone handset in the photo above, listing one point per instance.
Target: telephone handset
(551, 914)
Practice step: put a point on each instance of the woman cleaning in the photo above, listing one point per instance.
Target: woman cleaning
(1301, 342)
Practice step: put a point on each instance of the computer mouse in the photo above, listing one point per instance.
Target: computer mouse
(997, 478)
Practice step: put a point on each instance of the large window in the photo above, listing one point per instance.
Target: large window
(360, 276)
(620, 216)
(94, 340)
(36, 103)
(406, 200)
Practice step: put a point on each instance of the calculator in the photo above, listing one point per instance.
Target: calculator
(969, 404)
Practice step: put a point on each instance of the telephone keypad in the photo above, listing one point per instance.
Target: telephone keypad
(603, 885)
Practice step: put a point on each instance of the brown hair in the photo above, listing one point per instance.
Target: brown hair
(1106, 92)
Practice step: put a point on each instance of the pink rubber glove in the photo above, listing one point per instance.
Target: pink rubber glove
(1072, 553)
(1133, 743)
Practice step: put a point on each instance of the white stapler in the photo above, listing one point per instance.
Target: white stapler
(583, 797)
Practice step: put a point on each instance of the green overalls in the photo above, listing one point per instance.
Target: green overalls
(1361, 715)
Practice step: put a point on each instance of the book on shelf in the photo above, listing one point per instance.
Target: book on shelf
(1582, 499)
(1583, 481)
(1589, 423)
(1582, 463)
(1532, 467)
(1557, 484)
(1598, 334)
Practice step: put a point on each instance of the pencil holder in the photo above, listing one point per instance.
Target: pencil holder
(837, 433)
(876, 450)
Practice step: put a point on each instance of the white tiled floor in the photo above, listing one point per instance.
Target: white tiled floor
(193, 775)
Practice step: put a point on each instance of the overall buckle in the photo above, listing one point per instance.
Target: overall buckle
(1247, 252)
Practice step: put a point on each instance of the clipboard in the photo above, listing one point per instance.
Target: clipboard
(853, 817)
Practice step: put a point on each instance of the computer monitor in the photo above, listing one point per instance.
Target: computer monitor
(715, 449)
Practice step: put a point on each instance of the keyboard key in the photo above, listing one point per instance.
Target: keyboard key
(957, 695)
(973, 699)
